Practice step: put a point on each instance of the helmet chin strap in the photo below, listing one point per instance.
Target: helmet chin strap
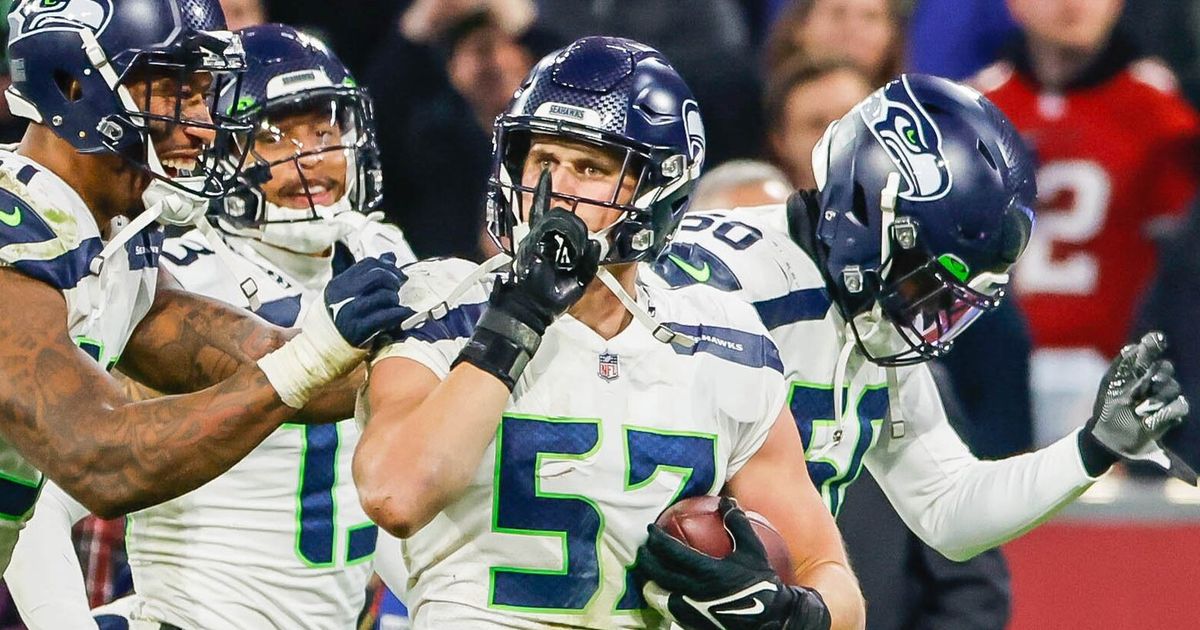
(887, 207)
(657, 330)
(442, 307)
(839, 396)
(879, 333)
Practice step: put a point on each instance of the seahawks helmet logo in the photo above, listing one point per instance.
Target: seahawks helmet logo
(42, 15)
(910, 138)
(694, 126)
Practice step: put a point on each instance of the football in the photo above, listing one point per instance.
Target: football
(696, 522)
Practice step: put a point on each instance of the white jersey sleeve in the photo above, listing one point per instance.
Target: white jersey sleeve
(956, 503)
(44, 575)
(747, 253)
(436, 342)
(749, 401)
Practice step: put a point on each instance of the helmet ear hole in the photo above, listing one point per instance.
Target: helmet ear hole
(516, 150)
(987, 155)
(71, 88)
(858, 206)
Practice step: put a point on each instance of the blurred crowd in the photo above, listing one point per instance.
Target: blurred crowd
(1104, 91)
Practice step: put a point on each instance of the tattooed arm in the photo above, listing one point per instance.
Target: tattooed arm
(188, 342)
(72, 420)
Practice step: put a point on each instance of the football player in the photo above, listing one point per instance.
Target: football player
(288, 512)
(547, 420)
(119, 95)
(924, 202)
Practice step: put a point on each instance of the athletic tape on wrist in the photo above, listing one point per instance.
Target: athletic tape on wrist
(310, 360)
(502, 346)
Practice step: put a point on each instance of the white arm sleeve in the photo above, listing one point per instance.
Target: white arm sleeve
(957, 504)
(44, 576)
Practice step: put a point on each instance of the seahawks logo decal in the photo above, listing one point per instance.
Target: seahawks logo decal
(910, 138)
(41, 15)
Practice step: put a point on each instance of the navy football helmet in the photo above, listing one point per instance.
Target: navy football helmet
(926, 198)
(289, 73)
(72, 62)
(619, 95)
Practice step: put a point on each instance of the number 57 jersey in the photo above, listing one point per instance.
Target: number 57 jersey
(599, 436)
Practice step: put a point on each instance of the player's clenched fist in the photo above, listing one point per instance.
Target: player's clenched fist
(554, 264)
(358, 304)
(1138, 402)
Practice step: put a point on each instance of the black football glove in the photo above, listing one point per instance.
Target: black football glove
(1138, 402)
(739, 592)
(555, 262)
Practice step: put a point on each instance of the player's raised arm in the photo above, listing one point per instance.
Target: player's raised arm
(188, 342)
(442, 429)
(72, 421)
(823, 592)
(445, 427)
(962, 506)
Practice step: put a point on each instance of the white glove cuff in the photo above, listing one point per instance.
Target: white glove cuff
(310, 360)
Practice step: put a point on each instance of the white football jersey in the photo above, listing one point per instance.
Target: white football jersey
(749, 253)
(280, 540)
(48, 233)
(599, 437)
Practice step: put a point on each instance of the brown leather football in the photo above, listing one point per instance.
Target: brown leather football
(697, 522)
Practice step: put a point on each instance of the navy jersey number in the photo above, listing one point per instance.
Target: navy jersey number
(316, 503)
(18, 496)
(812, 406)
(522, 507)
(735, 234)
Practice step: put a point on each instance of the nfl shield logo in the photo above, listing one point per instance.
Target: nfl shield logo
(608, 369)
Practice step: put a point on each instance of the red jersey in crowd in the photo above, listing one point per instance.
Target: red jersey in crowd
(1116, 153)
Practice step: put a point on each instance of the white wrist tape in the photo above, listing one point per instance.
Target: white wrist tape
(310, 360)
